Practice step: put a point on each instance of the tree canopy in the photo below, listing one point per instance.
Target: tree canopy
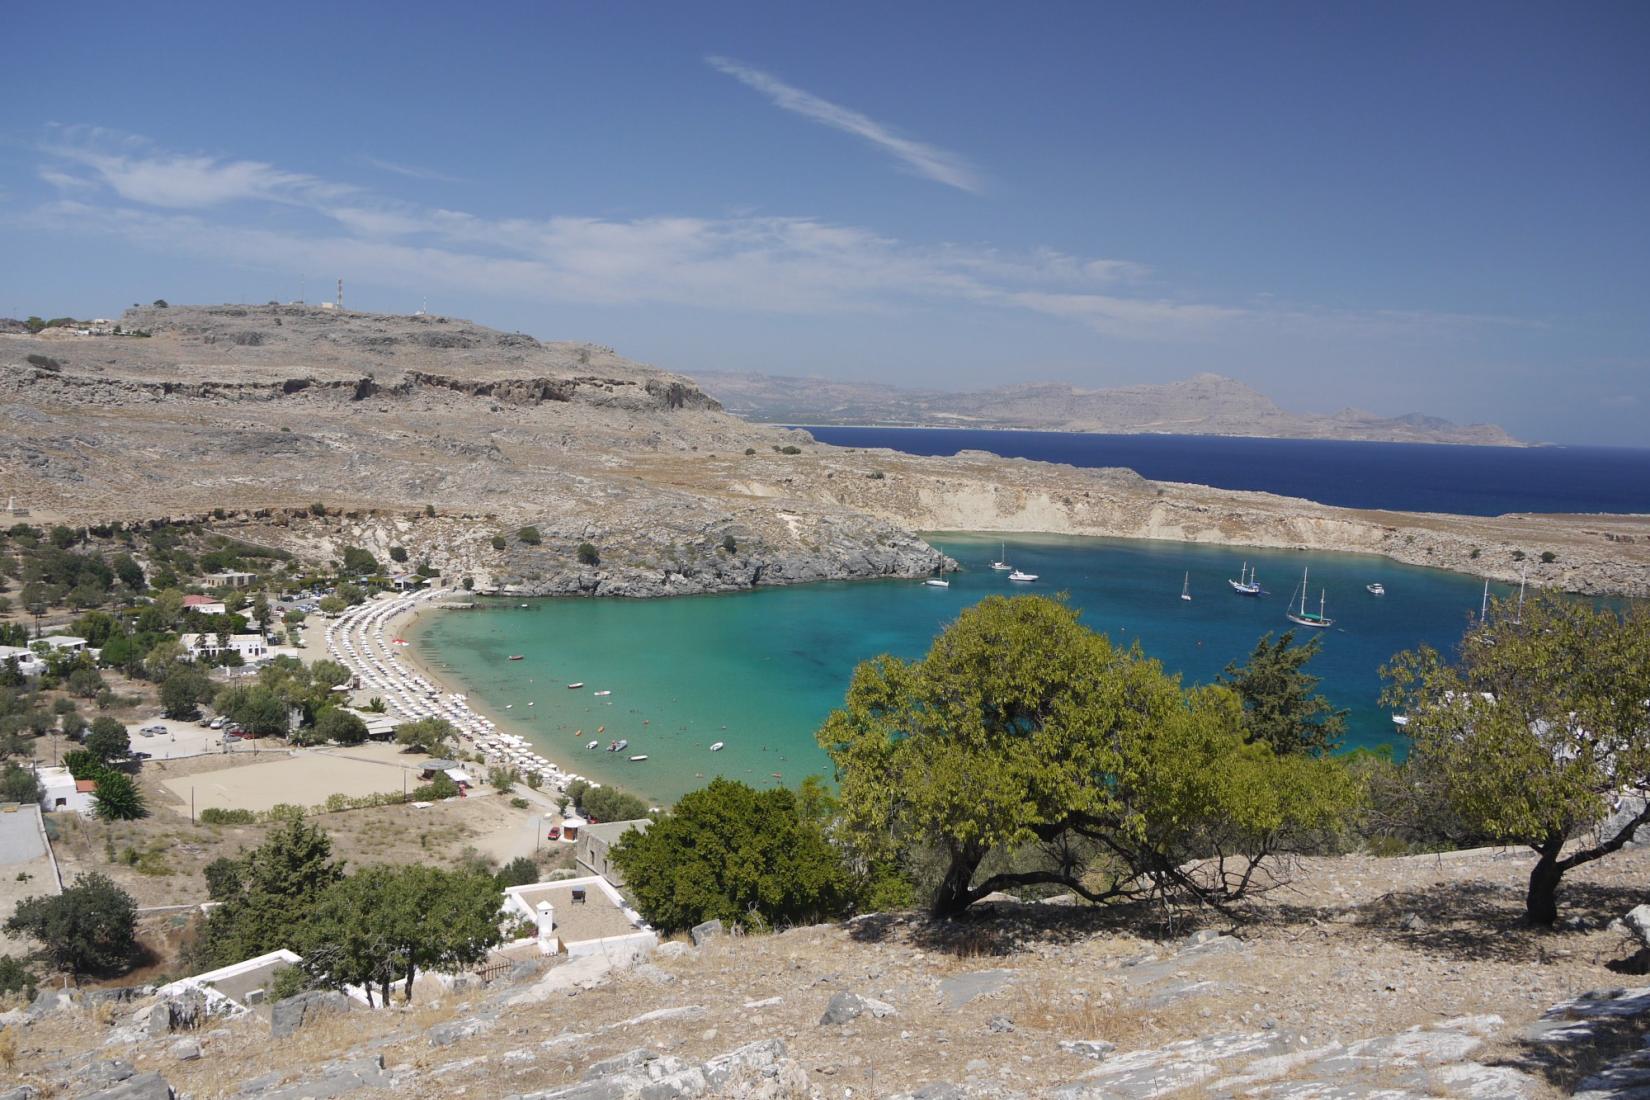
(116, 797)
(730, 852)
(265, 902)
(1281, 706)
(1538, 729)
(1025, 739)
(384, 924)
(433, 736)
(89, 928)
(108, 739)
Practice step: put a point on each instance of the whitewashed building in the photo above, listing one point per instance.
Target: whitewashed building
(61, 791)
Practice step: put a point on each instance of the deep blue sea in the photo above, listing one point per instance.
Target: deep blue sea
(1411, 477)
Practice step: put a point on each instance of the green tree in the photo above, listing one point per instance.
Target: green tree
(108, 739)
(730, 852)
(398, 554)
(259, 710)
(281, 881)
(1281, 706)
(588, 555)
(182, 693)
(1026, 740)
(89, 928)
(385, 924)
(224, 878)
(340, 726)
(115, 797)
(85, 682)
(433, 736)
(331, 605)
(19, 784)
(503, 780)
(359, 562)
(612, 804)
(1535, 728)
(521, 871)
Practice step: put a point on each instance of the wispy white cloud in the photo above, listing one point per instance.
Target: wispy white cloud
(186, 205)
(411, 171)
(925, 160)
(135, 170)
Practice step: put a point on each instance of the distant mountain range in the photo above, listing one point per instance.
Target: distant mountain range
(1206, 404)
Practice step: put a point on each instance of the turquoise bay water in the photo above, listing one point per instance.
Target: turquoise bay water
(760, 670)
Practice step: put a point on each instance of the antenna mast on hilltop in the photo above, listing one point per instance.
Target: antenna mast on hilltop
(340, 294)
(303, 281)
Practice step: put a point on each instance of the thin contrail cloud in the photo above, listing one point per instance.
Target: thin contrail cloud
(927, 161)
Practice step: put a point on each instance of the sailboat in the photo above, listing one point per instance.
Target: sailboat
(1304, 617)
(1245, 585)
(1001, 564)
(1186, 587)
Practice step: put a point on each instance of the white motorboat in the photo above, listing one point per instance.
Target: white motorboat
(937, 582)
(717, 747)
(575, 686)
(1376, 589)
(604, 693)
(592, 744)
(638, 759)
(1022, 576)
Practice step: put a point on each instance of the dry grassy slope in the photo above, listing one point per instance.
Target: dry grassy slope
(275, 407)
(985, 1003)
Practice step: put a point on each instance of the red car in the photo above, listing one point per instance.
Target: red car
(554, 833)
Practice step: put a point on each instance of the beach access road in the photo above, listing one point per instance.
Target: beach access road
(301, 777)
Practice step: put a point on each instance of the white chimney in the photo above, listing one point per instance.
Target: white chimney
(547, 925)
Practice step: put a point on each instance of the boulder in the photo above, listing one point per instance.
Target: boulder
(286, 1017)
(850, 1006)
(445, 1035)
(186, 1050)
(708, 930)
(142, 1086)
(1637, 921)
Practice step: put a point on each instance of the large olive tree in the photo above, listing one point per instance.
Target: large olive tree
(1023, 732)
(1539, 730)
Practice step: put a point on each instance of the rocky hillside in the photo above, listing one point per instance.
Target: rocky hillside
(1394, 978)
(254, 415)
(1206, 404)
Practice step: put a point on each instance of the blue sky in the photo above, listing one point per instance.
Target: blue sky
(1399, 207)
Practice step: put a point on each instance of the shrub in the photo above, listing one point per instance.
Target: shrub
(876, 475)
(530, 535)
(588, 554)
(521, 871)
(790, 449)
(398, 554)
(1518, 555)
(769, 864)
(499, 542)
(519, 803)
(729, 544)
(219, 815)
(89, 927)
(750, 450)
(116, 798)
(1548, 556)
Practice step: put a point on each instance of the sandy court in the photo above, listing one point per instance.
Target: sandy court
(303, 779)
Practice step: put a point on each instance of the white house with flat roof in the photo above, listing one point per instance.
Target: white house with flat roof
(578, 916)
(28, 662)
(61, 791)
(251, 647)
(65, 643)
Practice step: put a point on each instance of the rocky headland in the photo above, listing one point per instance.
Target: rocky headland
(1205, 404)
(450, 439)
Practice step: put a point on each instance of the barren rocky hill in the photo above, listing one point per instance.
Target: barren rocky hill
(1206, 404)
(1393, 978)
(258, 413)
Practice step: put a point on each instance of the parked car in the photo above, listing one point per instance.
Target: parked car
(216, 723)
(141, 756)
